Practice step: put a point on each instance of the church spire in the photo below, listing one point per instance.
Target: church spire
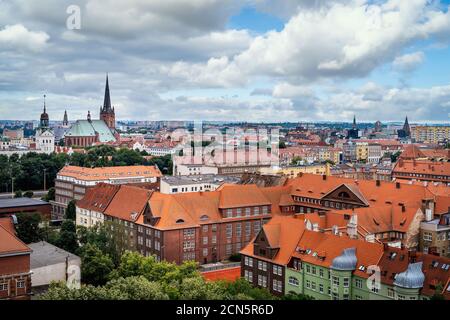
(65, 119)
(354, 121)
(44, 116)
(406, 127)
(107, 101)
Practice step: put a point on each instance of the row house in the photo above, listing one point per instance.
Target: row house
(287, 257)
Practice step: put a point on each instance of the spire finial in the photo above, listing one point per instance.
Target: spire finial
(107, 101)
(44, 103)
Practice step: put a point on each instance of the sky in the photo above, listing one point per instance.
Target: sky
(227, 60)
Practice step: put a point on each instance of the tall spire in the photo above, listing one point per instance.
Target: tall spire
(44, 116)
(406, 127)
(44, 104)
(354, 121)
(107, 101)
(65, 119)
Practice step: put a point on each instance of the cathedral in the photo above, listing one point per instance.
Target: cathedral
(84, 133)
(45, 138)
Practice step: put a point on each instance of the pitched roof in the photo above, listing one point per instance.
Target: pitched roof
(10, 244)
(7, 223)
(128, 202)
(423, 167)
(324, 247)
(109, 173)
(234, 196)
(99, 197)
(283, 232)
(86, 128)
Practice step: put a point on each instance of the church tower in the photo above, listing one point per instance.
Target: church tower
(407, 128)
(65, 119)
(107, 113)
(44, 121)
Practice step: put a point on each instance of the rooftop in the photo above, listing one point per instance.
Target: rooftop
(107, 173)
(46, 254)
(21, 202)
(199, 179)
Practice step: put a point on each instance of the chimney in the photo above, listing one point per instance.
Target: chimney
(403, 207)
(334, 230)
(397, 185)
(324, 177)
(352, 227)
(378, 182)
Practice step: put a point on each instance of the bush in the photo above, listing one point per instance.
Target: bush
(28, 194)
(235, 257)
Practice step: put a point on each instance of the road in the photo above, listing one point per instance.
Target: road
(37, 194)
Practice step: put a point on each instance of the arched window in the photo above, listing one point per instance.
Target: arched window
(204, 217)
(180, 221)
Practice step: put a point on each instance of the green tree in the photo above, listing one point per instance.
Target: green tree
(295, 160)
(28, 194)
(18, 194)
(50, 196)
(95, 265)
(71, 210)
(67, 239)
(28, 227)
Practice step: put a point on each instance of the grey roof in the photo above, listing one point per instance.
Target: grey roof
(346, 261)
(46, 254)
(85, 128)
(199, 179)
(21, 202)
(412, 278)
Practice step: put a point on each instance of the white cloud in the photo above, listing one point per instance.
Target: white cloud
(336, 41)
(408, 62)
(17, 37)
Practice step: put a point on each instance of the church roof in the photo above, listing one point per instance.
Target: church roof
(85, 128)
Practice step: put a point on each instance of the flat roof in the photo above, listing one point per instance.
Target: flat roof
(199, 179)
(21, 202)
(46, 254)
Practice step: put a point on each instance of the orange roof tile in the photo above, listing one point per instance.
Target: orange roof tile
(234, 196)
(98, 198)
(10, 244)
(128, 203)
(229, 274)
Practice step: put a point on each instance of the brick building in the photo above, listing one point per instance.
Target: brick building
(15, 275)
(72, 182)
(9, 207)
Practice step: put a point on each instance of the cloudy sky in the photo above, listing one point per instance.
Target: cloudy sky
(254, 60)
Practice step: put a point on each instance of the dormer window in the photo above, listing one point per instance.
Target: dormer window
(204, 217)
(179, 221)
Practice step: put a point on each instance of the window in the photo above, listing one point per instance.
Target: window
(321, 273)
(248, 228)
(257, 226)
(293, 281)
(256, 210)
(358, 283)
(308, 268)
(214, 239)
(262, 265)
(238, 229)
(20, 284)
(265, 209)
(229, 213)
(229, 230)
(186, 232)
(148, 243)
(313, 286)
(401, 297)
(391, 293)
(321, 288)
(346, 282)
(205, 240)
(277, 270)
(248, 275)
(277, 285)
(247, 212)
(427, 236)
(205, 252)
(335, 281)
(4, 286)
(308, 284)
(239, 212)
(228, 249)
(205, 228)
(262, 281)
(313, 269)
(358, 297)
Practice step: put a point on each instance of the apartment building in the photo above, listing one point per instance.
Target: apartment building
(430, 134)
(287, 257)
(422, 170)
(435, 235)
(194, 183)
(72, 182)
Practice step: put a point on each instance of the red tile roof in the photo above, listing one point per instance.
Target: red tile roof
(98, 198)
(10, 244)
(229, 274)
(105, 173)
(128, 203)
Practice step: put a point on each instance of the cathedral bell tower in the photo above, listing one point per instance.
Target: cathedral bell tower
(107, 113)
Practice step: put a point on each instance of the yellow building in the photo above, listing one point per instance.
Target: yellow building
(362, 151)
(293, 171)
(430, 134)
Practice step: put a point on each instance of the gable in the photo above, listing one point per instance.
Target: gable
(346, 193)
